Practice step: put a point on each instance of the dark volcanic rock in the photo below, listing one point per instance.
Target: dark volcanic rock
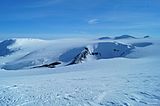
(81, 56)
(52, 65)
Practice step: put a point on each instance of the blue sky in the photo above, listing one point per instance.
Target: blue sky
(63, 18)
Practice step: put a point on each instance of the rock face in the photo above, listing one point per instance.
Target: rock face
(52, 65)
(81, 57)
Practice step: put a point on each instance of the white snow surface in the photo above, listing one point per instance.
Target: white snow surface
(113, 78)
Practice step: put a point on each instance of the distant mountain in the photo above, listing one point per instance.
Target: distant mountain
(124, 37)
(146, 36)
(119, 37)
(104, 38)
(40, 53)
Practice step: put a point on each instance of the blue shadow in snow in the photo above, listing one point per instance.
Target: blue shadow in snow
(4, 51)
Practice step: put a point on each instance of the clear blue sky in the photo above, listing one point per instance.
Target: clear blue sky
(51, 18)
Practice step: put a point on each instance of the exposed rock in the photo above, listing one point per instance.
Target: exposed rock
(96, 53)
(80, 57)
(70, 54)
(52, 65)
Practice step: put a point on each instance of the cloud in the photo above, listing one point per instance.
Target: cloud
(93, 21)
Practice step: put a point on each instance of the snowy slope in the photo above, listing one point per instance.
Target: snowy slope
(28, 53)
(108, 79)
(35, 52)
(18, 47)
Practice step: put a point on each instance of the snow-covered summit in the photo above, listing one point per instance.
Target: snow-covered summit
(28, 53)
(125, 37)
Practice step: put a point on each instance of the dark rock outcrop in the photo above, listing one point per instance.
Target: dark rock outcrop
(81, 56)
(52, 65)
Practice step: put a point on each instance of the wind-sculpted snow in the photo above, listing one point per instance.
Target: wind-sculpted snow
(16, 65)
(105, 77)
(4, 50)
(113, 82)
(41, 53)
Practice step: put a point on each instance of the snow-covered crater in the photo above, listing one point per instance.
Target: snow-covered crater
(35, 52)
